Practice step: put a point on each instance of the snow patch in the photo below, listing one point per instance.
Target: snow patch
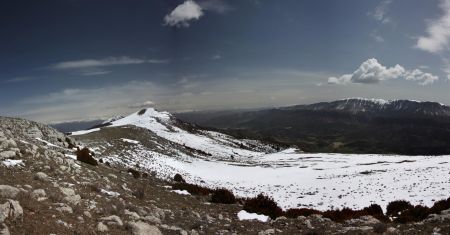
(110, 193)
(130, 141)
(12, 163)
(181, 192)
(244, 215)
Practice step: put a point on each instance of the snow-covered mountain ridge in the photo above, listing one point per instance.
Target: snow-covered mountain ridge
(380, 106)
(167, 127)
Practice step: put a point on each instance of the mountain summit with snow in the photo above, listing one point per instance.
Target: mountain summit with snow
(380, 107)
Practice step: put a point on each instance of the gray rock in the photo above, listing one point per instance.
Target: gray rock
(73, 200)
(308, 224)
(152, 219)
(67, 191)
(112, 220)
(141, 228)
(101, 227)
(7, 155)
(267, 232)
(37, 193)
(70, 196)
(41, 176)
(132, 215)
(4, 229)
(7, 191)
(11, 209)
(87, 214)
(61, 207)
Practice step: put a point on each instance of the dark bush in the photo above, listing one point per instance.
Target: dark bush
(84, 155)
(69, 143)
(294, 213)
(142, 111)
(135, 173)
(179, 178)
(192, 188)
(344, 214)
(145, 175)
(263, 204)
(375, 211)
(440, 206)
(223, 196)
(395, 207)
(414, 214)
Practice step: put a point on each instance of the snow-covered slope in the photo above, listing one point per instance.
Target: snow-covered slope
(164, 125)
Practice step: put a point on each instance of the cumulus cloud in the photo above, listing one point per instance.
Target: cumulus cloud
(371, 71)
(190, 10)
(183, 14)
(380, 12)
(438, 31)
(421, 77)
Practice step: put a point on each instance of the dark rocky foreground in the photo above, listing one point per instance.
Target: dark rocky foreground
(51, 193)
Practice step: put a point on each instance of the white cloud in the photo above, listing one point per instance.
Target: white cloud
(422, 77)
(89, 63)
(371, 71)
(183, 13)
(438, 32)
(380, 12)
(19, 79)
(377, 37)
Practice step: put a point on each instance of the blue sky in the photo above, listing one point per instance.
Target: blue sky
(67, 60)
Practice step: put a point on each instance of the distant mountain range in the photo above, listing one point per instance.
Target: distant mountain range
(379, 107)
(353, 125)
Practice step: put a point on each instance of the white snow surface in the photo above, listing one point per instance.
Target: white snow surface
(319, 181)
(244, 215)
(293, 179)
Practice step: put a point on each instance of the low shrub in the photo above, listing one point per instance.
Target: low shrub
(179, 178)
(440, 206)
(375, 211)
(395, 207)
(223, 196)
(192, 188)
(135, 173)
(414, 214)
(344, 214)
(263, 204)
(294, 213)
(84, 155)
